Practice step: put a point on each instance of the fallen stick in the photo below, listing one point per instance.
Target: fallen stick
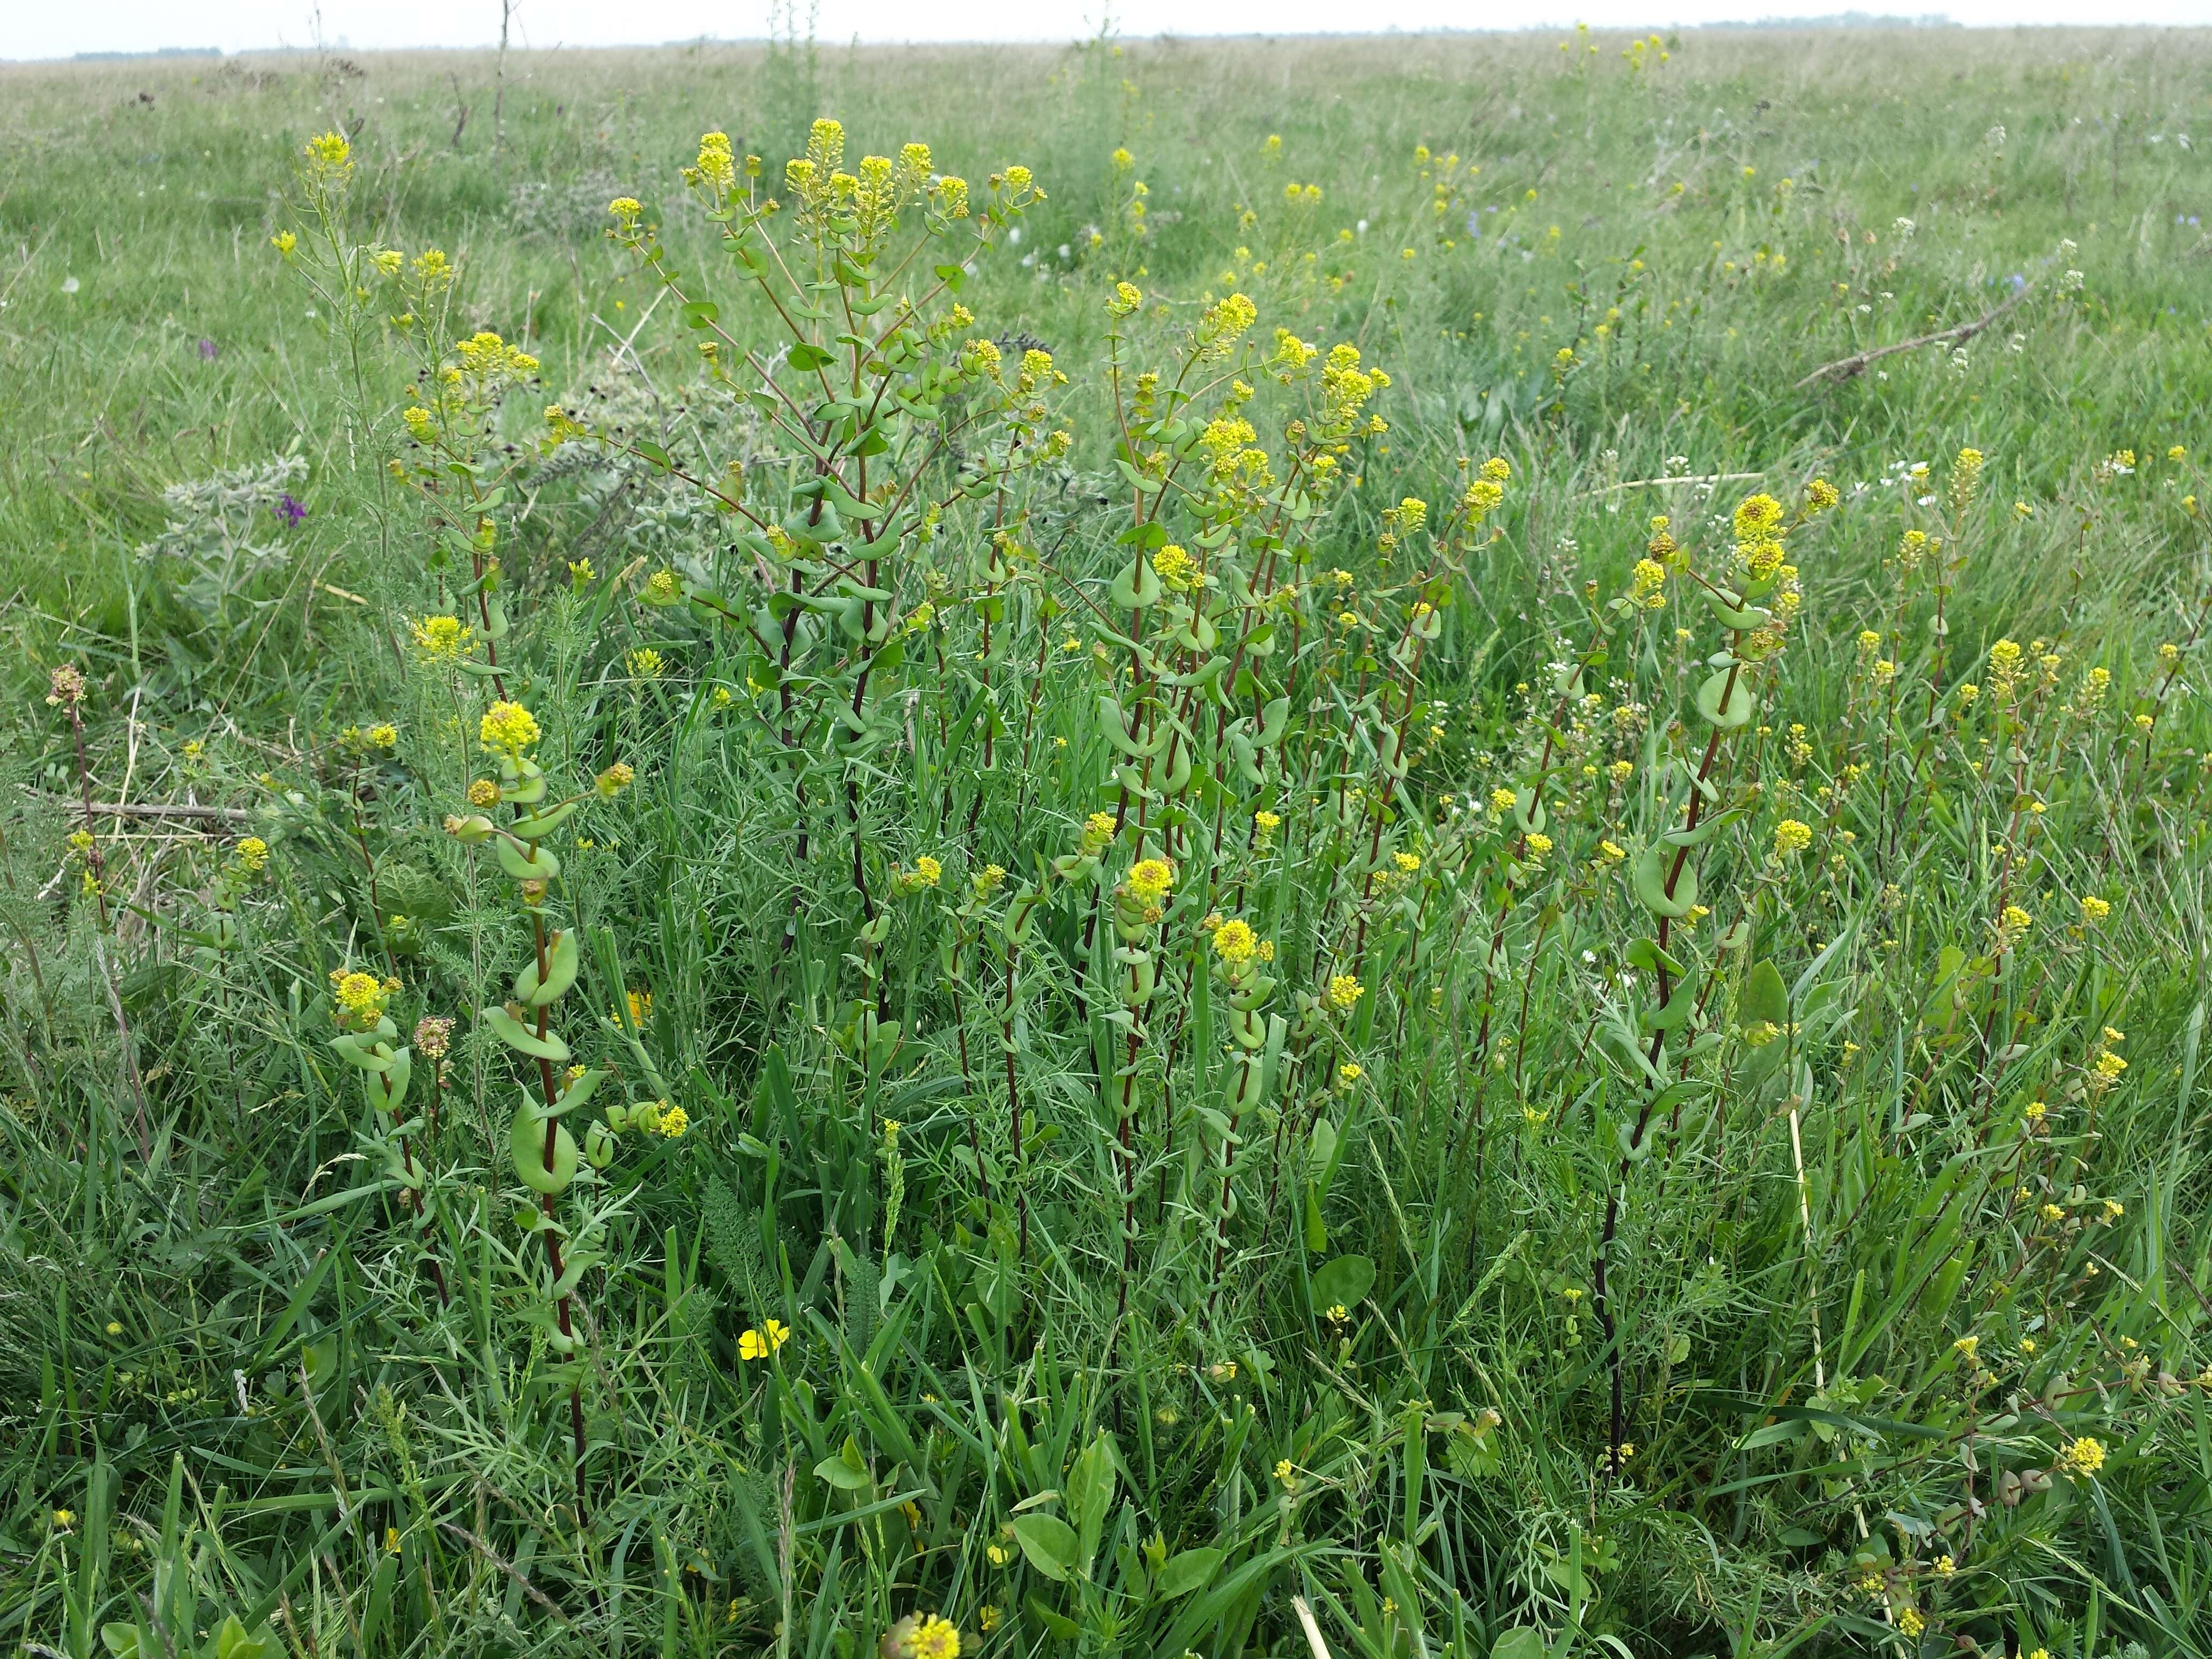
(1844, 367)
(151, 809)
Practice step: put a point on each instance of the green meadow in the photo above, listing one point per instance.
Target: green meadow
(1387, 846)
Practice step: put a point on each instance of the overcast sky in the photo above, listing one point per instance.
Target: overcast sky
(30, 29)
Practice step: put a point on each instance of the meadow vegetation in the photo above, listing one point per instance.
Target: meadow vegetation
(1384, 847)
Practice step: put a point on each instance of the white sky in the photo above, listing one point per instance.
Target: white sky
(30, 29)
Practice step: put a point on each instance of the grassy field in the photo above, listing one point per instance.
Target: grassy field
(1385, 846)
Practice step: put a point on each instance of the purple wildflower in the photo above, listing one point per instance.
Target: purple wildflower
(289, 510)
(209, 352)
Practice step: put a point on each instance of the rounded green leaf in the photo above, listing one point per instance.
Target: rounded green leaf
(1049, 1542)
(1345, 1282)
(526, 1142)
(561, 965)
(1651, 874)
(513, 1033)
(1764, 999)
(1724, 699)
(538, 865)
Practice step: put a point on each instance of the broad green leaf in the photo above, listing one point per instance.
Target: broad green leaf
(1186, 1571)
(562, 962)
(1765, 999)
(1652, 864)
(1344, 1282)
(513, 1033)
(1049, 1542)
(526, 1146)
(1725, 700)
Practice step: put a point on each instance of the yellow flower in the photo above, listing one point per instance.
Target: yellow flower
(2085, 1456)
(1267, 823)
(253, 854)
(1501, 800)
(1909, 1621)
(328, 150)
(392, 1540)
(483, 792)
(384, 737)
(1539, 847)
(715, 167)
(507, 728)
(928, 869)
(1757, 518)
(360, 996)
(1791, 836)
(1235, 943)
(674, 1121)
(1173, 565)
(760, 1344)
(936, 1638)
(1284, 1473)
(1407, 862)
(615, 779)
(646, 662)
(2094, 908)
(1149, 879)
(1345, 992)
(442, 640)
(284, 242)
(65, 1519)
(986, 1618)
(114, 1329)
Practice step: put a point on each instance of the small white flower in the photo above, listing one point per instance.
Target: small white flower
(70, 285)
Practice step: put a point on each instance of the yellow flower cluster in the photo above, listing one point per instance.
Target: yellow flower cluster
(360, 997)
(485, 355)
(442, 640)
(1149, 879)
(507, 728)
(1234, 942)
(2085, 1456)
(1173, 565)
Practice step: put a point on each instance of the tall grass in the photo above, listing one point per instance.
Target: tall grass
(1695, 1147)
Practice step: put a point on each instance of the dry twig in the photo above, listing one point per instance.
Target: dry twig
(1844, 367)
